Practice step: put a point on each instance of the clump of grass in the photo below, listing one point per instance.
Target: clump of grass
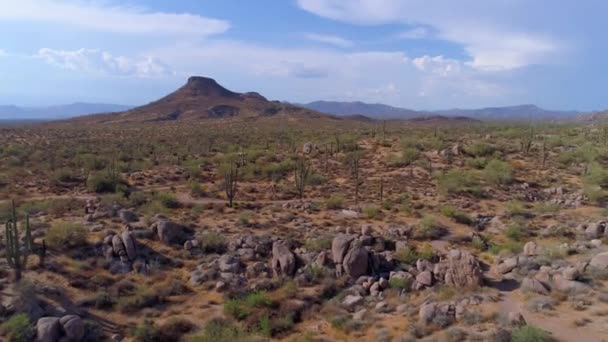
(334, 202)
(18, 328)
(410, 255)
(212, 242)
(318, 244)
(428, 228)
(458, 181)
(529, 333)
(456, 215)
(371, 212)
(241, 308)
(65, 235)
(498, 172)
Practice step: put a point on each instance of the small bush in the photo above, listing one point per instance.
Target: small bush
(146, 332)
(428, 229)
(498, 172)
(318, 244)
(167, 200)
(371, 212)
(529, 333)
(221, 331)
(18, 328)
(480, 149)
(66, 234)
(400, 283)
(458, 182)
(334, 202)
(197, 190)
(514, 233)
(456, 215)
(213, 242)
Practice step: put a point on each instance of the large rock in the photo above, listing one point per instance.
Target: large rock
(119, 248)
(351, 301)
(599, 261)
(534, 285)
(507, 265)
(356, 261)
(127, 216)
(531, 248)
(167, 231)
(340, 246)
(48, 329)
(463, 270)
(228, 264)
(283, 259)
(73, 327)
(425, 278)
(130, 245)
(569, 286)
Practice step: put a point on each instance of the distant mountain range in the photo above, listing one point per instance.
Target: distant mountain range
(11, 112)
(381, 111)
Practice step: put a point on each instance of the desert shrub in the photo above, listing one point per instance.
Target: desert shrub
(104, 182)
(240, 308)
(546, 208)
(197, 189)
(318, 244)
(480, 149)
(595, 183)
(371, 212)
(477, 163)
(409, 155)
(428, 228)
(103, 300)
(221, 331)
(515, 207)
(457, 182)
(529, 333)
(18, 328)
(167, 200)
(456, 215)
(64, 176)
(400, 283)
(334, 202)
(316, 178)
(146, 332)
(514, 232)
(65, 235)
(212, 242)
(410, 255)
(513, 247)
(143, 298)
(498, 172)
(479, 244)
(245, 217)
(174, 329)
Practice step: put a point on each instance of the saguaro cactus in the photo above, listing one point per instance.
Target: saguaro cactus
(302, 174)
(231, 176)
(16, 256)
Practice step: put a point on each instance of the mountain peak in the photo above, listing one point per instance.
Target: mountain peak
(204, 86)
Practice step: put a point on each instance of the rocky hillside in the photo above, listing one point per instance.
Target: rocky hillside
(204, 98)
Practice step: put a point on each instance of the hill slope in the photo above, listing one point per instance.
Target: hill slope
(203, 98)
(372, 110)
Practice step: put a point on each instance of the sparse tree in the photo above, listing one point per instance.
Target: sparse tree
(17, 255)
(526, 141)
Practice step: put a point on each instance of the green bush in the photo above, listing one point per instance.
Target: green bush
(221, 331)
(241, 308)
(428, 229)
(399, 283)
(66, 234)
(212, 242)
(456, 215)
(167, 200)
(529, 333)
(146, 332)
(318, 244)
(498, 172)
(458, 182)
(18, 328)
(514, 232)
(197, 190)
(334, 202)
(371, 212)
(480, 149)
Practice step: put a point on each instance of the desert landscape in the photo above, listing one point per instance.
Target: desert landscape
(211, 215)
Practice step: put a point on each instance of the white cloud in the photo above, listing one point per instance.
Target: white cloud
(415, 33)
(3, 53)
(103, 63)
(114, 19)
(498, 35)
(329, 39)
(437, 65)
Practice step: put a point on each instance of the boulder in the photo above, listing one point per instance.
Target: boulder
(463, 270)
(339, 247)
(534, 285)
(167, 231)
(127, 216)
(119, 248)
(130, 245)
(73, 327)
(351, 301)
(426, 313)
(531, 248)
(516, 319)
(599, 261)
(507, 265)
(48, 329)
(356, 261)
(228, 264)
(571, 273)
(425, 278)
(569, 286)
(283, 259)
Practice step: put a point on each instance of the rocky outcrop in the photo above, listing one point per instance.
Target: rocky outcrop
(123, 246)
(349, 256)
(462, 270)
(68, 328)
(168, 232)
(599, 261)
(283, 259)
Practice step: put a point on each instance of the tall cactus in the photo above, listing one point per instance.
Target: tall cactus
(16, 256)
(230, 182)
(301, 175)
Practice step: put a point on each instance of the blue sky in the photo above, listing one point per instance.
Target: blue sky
(420, 54)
